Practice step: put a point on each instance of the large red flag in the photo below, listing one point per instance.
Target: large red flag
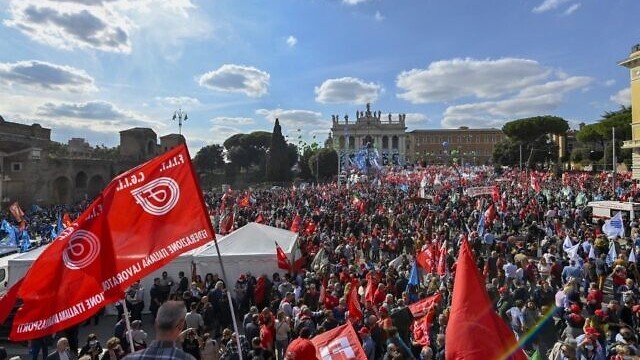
(490, 214)
(341, 343)
(283, 260)
(142, 220)
(353, 305)
(472, 314)
(8, 300)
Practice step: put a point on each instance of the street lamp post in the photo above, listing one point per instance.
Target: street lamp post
(180, 116)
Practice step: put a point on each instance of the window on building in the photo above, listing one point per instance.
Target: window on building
(16, 166)
(394, 142)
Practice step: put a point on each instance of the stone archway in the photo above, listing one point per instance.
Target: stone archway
(96, 184)
(81, 180)
(62, 190)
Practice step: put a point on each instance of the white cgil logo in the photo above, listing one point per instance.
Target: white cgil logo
(159, 196)
(83, 248)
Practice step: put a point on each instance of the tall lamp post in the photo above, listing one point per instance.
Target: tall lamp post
(180, 116)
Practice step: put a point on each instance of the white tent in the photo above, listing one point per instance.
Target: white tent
(250, 248)
(19, 266)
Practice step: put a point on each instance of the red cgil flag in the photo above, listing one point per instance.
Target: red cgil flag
(490, 214)
(310, 228)
(353, 305)
(341, 343)
(142, 220)
(8, 300)
(16, 211)
(472, 314)
(295, 225)
(283, 260)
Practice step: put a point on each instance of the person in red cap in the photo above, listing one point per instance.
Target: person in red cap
(301, 348)
(368, 345)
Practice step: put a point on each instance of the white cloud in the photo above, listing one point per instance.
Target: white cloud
(622, 97)
(291, 41)
(571, 9)
(71, 25)
(452, 79)
(535, 100)
(353, 2)
(378, 16)
(347, 90)
(609, 82)
(237, 78)
(109, 25)
(236, 121)
(99, 116)
(42, 75)
(178, 101)
(548, 5)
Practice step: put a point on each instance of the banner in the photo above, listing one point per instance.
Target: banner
(422, 307)
(142, 220)
(341, 343)
(481, 190)
(614, 227)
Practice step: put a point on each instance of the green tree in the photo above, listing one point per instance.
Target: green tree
(247, 150)
(506, 152)
(323, 164)
(533, 135)
(529, 129)
(277, 160)
(209, 158)
(599, 135)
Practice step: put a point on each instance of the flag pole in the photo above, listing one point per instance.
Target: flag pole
(128, 323)
(233, 313)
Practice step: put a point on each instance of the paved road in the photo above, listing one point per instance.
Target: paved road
(104, 331)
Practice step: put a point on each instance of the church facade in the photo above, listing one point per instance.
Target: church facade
(373, 130)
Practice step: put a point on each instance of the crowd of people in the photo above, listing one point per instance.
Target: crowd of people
(369, 234)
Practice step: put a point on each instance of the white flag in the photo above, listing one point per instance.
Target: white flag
(592, 253)
(567, 244)
(612, 255)
(614, 226)
(572, 252)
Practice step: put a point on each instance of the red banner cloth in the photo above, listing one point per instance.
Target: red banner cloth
(474, 330)
(142, 220)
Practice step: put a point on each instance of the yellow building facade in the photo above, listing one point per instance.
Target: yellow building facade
(633, 64)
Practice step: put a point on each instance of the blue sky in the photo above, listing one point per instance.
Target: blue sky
(90, 68)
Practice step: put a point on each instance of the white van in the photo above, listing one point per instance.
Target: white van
(4, 271)
(605, 210)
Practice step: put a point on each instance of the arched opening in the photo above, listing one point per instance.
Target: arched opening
(81, 180)
(385, 142)
(151, 148)
(394, 142)
(367, 140)
(62, 190)
(352, 142)
(341, 141)
(96, 184)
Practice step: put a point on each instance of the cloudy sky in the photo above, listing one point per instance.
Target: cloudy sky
(90, 68)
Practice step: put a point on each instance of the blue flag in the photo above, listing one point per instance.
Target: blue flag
(413, 277)
(26, 241)
(12, 232)
(481, 225)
